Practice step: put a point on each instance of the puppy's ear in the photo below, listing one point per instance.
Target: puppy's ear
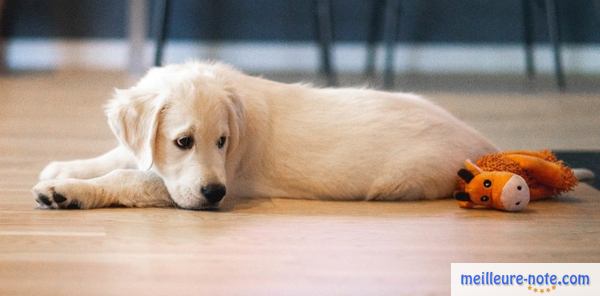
(236, 118)
(133, 117)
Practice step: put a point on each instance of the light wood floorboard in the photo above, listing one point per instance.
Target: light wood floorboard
(271, 246)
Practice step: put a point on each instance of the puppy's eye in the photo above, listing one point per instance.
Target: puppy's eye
(184, 142)
(221, 142)
(487, 183)
(485, 198)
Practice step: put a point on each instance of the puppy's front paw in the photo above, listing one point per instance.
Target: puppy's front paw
(57, 170)
(57, 194)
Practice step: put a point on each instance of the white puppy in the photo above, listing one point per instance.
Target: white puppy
(195, 133)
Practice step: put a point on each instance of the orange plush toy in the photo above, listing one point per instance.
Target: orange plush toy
(509, 180)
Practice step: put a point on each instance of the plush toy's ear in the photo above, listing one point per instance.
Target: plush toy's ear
(133, 116)
(472, 167)
(466, 175)
(462, 196)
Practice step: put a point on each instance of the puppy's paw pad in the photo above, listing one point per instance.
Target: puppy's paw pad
(43, 201)
(47, 197)
(43, 196)
(58, 198)
(73, 205)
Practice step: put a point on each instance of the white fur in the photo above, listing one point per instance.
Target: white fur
(283, 140)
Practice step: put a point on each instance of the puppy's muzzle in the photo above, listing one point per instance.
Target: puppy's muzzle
(213, 193)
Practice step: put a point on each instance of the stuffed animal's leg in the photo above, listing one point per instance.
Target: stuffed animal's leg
(541, 192)
(551, 174)
(122, 187)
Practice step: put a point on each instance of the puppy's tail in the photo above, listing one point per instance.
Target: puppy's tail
(584, 175)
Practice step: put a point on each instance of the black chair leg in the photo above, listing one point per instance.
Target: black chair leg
(325, 35)
(373, 36)
(391, 33)
(528, 29)
(554, 32)
(3, 23)
(161, 19)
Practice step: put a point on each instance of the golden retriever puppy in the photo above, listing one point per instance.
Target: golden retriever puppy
(191, 135)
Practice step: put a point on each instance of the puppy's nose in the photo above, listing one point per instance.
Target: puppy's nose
(213, 192)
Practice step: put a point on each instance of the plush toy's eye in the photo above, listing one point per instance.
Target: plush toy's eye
(485, 198)
(487, 183)
(184, 142)
(221, 142)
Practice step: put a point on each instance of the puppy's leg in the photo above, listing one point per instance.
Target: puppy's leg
(118, 158)
(129, 188)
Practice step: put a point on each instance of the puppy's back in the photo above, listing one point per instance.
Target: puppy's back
(359, 143)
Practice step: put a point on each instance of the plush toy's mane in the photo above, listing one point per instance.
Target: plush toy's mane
(500, 162)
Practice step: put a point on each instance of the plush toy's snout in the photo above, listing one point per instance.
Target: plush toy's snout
(499, 190)
(515, 194)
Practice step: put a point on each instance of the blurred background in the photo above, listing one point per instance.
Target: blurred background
(524, 72)
(457, 38)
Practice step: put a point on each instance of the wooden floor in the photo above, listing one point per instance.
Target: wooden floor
(278, 246)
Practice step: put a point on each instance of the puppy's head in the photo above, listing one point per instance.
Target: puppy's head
(183, 122)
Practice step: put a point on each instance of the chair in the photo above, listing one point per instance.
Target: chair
(2, 45)
(324, 21)
(323, 24)
(391, 20)
(390, 10)
(553, 25)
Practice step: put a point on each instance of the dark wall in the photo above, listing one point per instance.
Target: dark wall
(466, 21)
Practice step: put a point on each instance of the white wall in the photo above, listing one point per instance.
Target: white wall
(112, 54)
